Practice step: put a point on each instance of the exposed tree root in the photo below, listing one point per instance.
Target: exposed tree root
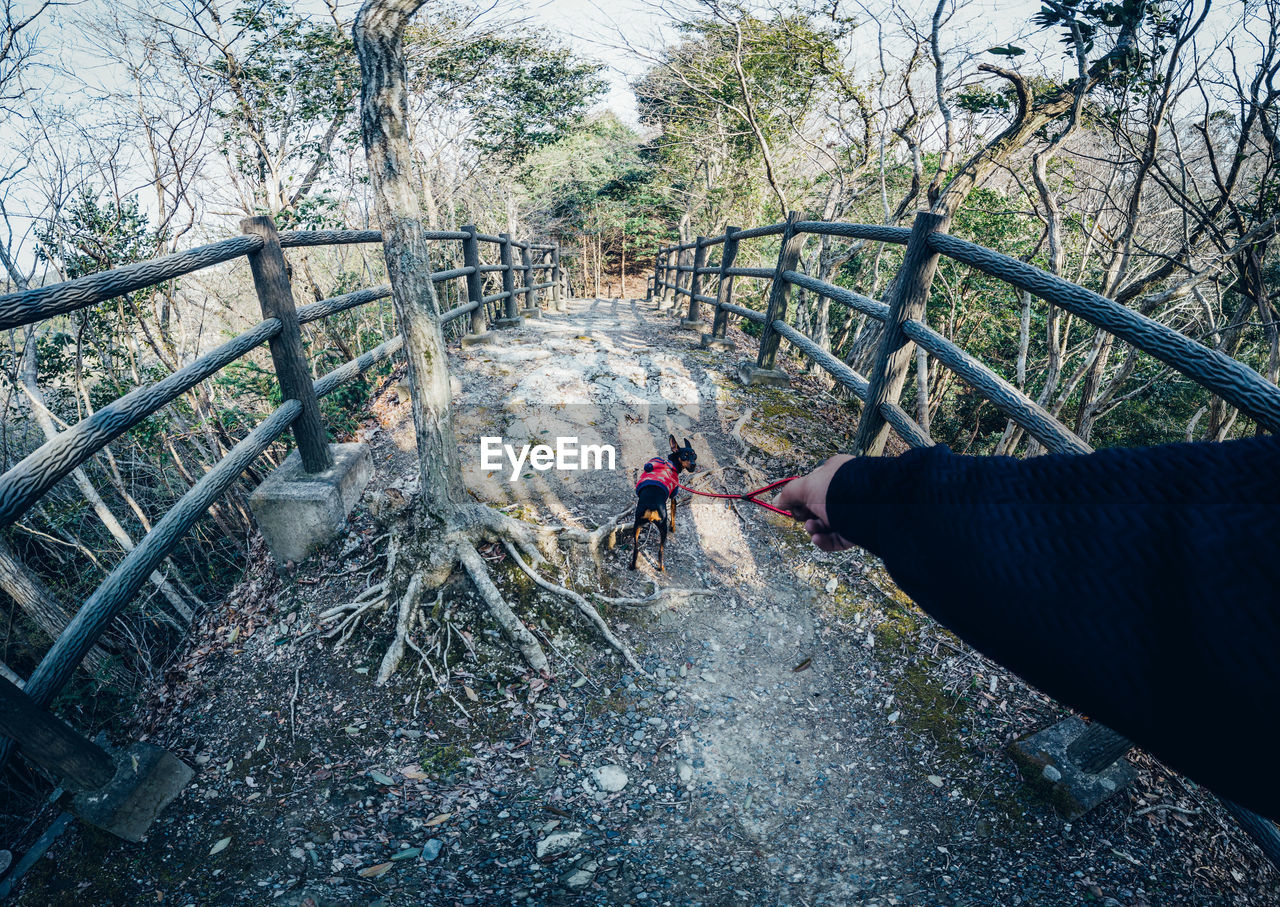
(585, 607)
(455, 546)
(668, 596)
(511, 626)
(404, 619)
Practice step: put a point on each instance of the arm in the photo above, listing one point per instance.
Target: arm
(1140, 586)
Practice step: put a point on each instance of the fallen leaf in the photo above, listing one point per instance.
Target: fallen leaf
(803, 665)
(414, 774)
(437, 820)
(471, 694)
(220, 846)
(382, 778)
(935, 781)
(373, 872)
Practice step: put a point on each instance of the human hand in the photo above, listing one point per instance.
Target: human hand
(806, 498)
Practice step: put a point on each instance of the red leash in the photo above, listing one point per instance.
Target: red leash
(749, 495)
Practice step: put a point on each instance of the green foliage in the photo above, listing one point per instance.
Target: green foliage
(290, 89)
(520, 90)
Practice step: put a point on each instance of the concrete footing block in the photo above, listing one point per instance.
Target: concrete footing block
(531, 313)
(477, 339)
(299, 512)
(147, 780)
(1073, 792)
(752, 376)
(710, 342)
(666, 305)
(692, 324)
(509, 324)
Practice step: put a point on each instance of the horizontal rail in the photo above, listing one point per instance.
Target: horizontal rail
(753, 232)
(44, 467)
(701, 297)
(489, 237)
(438, 276)
(496, 296)
(291, 239)
(1234, 381)
(489, 269)
(855, 301)
(906, 427)
(837, 369)
(762, 273)
(106, 602)
(362, 363)
(332, 306)
(1038, 422)
(749, 314)
(541, 286)
(27, 306)
(873, 232)
(459, 311)
(710, 269)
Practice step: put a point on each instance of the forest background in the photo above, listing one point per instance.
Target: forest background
(1130, 147)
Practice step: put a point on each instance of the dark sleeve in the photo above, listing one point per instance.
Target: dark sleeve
(1140, 586)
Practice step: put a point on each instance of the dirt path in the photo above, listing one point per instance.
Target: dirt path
(805, 736)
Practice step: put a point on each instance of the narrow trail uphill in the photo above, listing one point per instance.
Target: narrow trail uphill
(805, 736)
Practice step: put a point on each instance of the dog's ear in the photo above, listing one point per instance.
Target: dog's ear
(674, 445)
(687, 444)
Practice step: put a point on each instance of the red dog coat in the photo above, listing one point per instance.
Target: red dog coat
(659, 471)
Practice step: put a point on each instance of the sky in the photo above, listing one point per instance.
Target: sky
(603, 31)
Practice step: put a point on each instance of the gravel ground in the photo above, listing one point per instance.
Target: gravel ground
(804, 736)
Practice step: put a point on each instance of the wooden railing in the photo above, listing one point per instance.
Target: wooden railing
(679, 271)
(24, 715)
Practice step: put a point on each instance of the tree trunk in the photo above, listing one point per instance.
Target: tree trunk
(384, 114)
(45, 611)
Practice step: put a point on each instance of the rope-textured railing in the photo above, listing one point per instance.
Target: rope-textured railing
(1240, 386)
(24, 484)
(677, 274)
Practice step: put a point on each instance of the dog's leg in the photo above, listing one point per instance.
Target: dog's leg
(635, 542)
(672, 527)
(662, 545)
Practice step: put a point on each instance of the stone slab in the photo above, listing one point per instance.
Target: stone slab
(299, 512)
(507, 324)
(1073, 792)
(717, 343)
(477, 339)
(147, 780)
(692, 324)
(752, 376)
(531, 313)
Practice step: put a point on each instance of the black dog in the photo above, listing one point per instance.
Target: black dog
(656, 487)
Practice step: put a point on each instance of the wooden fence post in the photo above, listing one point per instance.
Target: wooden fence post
(765, 370)
(693, 321)
(557, 294)
(665, 290)
(511, 307)
(50, 743)
(654, 285)
(275, 295)
(122, 797)
(531, 309)
(724, 294)
(475, 289)
(893, 356)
